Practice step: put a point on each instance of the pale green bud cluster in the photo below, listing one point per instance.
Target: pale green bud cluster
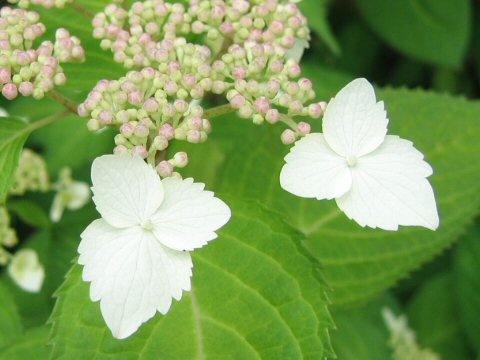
(30, 175)
(8, 236)
(45, 3)
(28, 71)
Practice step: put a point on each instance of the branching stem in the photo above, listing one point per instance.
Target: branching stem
(61, 99)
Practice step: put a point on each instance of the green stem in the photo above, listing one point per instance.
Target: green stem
(81, 10)
(289, 121)
(218, 111)
(61, 99)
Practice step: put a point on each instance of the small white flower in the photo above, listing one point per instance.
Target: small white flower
(378, 180)
(71, 195)
(26, 270)
(136, 256)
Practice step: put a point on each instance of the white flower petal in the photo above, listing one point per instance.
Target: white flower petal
(127, 191)
(132, 274)
(58, 206)
(390, 188)
(27, 272)
(354, 123)
(189, 215)
(313, 170)
(79, 194)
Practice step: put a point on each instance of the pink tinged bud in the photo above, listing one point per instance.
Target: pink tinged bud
(165, 169)
(135, 98)
(245, 111)
(194, 136)
(262, 105)
(315, 110)
(276, 66)
(272, 116)
(197, 92)
(82, 111)
(26, 88)
(5, 75)
(226, 28)
(277, 27)
(180, 159)
(294, 70)
(93, 125)
(291, 9)
(195, 123)
(240, 72)
(127, 129)
(180, 105)
(237, 101)
(256, 35)
(167, 131)
(305, 84)
(295, 22)
(169, 110)
(160, 143)
(171, 87)
(295, 107)
(105, 117)
(140, 151)
(303, 128)
(141, 131)
(288, 137)
(120, 149)
(10, 91)
(151, 105)
(189, 81)
(4, 45)
(60, 79)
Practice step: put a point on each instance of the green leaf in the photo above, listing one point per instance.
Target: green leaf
(10, 321)
(467, 283)
(254, 295)
(29, 212)
(13, 134)
(99, 63)
(361, 333)
(31, 345)
(433, 314)
(433, 31)
(359, 263)
(316, 12)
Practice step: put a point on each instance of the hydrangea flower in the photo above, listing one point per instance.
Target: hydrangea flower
(26, 270)
(378, 180)
(137, 255)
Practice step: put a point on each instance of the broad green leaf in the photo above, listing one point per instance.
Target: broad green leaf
(467, 283)
(10, 321)
(433, 31)
(99, 64)
(361, 333)
(254, 295)
(433, 315)
(13, 134)
(359, 263)
(31, 345)
(29, 212)
(316, 12)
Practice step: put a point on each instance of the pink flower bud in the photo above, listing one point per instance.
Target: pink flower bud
(240, 72)
(288, 137)
(26, 88)
(195, 123)
(262, 105)
(151, 105)
(315, 110)
(277, 27)
(171, 87)
(135, 98)
(141, 131)
(5, 75)
(272, 116)
(226, 28)
(305, 84)
(82, 111)
(194, 136)
(120, 149)
(105, 117)
(180, 159)
(127, 129)
(165, 169)
(294, 70)
(303, 128)
(140, 151)
(167, 131)
(180, 105)
(10, 91)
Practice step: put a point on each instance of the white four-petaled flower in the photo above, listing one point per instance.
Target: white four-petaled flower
(378, 180)
(136, 256)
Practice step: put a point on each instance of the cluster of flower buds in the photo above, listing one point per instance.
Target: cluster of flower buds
(26, 70)
(31, 174)
(8, 236)
(67, 48)
(45, 3)
(134, 35)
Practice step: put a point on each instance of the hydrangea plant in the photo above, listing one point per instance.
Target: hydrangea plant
(221, 153)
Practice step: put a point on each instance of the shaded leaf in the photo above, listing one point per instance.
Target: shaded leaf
(10, 321)
(31, 345)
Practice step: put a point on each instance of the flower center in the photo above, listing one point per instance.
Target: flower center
(147, 225)
(352, 161)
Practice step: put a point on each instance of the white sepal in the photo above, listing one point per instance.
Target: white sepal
(26, 270)
(354, 123)
(314, 170)
(189, 215)
(132, 274)
(126, 190)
